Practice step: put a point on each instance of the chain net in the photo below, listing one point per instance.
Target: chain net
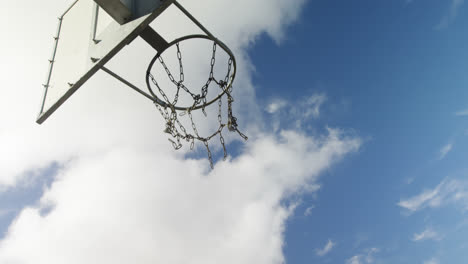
(168, 111)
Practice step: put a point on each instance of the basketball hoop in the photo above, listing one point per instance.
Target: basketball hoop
(88, 41)
(171, 111)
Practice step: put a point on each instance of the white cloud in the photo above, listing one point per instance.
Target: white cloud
(462, 113)
(448, 191)
(304, 108)
(419, 201)
(357, 259)
(308, 210)
(312, 105)
(122, 194)
(275, 106)
(451, 15)
(432, 261)
(82, 124)
(326, 249)
(307, 108)
(426, 235)
(123, 201)
(297, 113)
(445, 150)
(368, 256)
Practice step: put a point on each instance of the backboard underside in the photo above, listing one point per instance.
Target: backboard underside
(81, 49)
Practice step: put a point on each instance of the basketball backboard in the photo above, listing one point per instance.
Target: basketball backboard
(89, 34)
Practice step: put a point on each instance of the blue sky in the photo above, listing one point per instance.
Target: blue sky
(357, 115)
(396, 78)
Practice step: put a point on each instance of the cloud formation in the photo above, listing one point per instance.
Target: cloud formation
(448, 191)
(432, 261)
(425, 235)
(368, 256)
(326, 249)
(122, 195)
(297, 113)
(305, 108)
(151, 211)
(308, 210)
(275, 106)
(445, 150)
(313, 104)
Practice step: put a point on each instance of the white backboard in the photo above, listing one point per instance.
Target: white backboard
(88, 37)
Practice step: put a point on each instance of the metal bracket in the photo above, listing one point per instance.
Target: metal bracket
(138, 90)
(116, 9)
(154, 39)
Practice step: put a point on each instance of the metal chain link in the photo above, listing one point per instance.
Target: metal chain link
(173, 125)
(181, 68)
(159, 89)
